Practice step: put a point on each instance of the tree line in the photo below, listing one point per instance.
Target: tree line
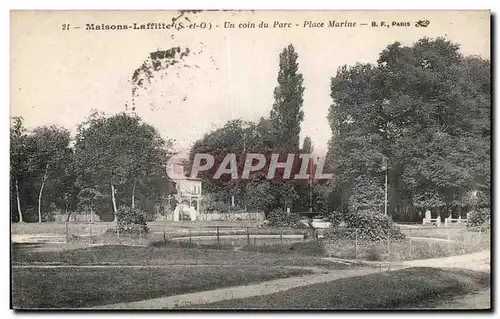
(419, 118)
(112, 161)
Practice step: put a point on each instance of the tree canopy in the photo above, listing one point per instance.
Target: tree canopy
(426, 109)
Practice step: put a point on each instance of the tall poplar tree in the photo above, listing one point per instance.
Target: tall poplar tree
(287, 114)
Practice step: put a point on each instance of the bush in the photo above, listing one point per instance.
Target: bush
(365, 226)
(335, 218)
(279, 218)
(479, 219)
(131, 220)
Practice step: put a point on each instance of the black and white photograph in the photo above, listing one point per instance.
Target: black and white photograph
(250, 160)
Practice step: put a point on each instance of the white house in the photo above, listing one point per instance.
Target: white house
(189, 195)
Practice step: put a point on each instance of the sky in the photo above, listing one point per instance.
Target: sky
(58, 76)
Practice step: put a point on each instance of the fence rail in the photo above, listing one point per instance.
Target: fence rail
(418, 242)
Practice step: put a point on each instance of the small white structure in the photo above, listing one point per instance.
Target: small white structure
(188, 198)
(428, 220)
(183, 208)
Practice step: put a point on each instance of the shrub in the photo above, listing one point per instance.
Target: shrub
(131, 220)
(335, 218)
(365, 226)
(479, 219)
(279, 218)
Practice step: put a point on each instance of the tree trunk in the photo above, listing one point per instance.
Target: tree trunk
(18, 203)
(133, 195)
(40, 194)
(68, 216)
(114, 200)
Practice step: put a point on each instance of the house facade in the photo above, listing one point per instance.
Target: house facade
(188, 197)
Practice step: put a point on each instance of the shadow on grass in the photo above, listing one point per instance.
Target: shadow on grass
(408, 288)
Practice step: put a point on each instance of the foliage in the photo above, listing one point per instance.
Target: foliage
(279, 218)
(131, 220)
(123, 153)
(286, 113)
(49, 152)
(367, 195)
(365, 226)
(335, 218)
(479, 219)
(18, 165)
(426, 109)
(277, 134)
(240, 138)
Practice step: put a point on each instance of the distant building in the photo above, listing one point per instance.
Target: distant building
(189, 192)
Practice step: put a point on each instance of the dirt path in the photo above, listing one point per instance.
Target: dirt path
(479, 261)
(238, 292)
(476, 261)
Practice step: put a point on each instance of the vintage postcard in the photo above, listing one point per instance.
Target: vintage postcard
(223, 159)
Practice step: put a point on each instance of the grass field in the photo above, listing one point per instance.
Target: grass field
(112, 274)
(126, 255)
(407, 249)
(100, 227)
(86, 287)
(408, 288)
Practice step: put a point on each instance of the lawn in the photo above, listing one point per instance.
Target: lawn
(407, 249)
(127, 255)
(408, 288)
(99, 227)
(273, 246)
(87, 287)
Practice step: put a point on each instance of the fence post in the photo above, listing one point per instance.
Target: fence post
(281, 238)
(218, 241)
(248, 237)
(389, 251)
(140, 236)
(410, 242)
(190, 237)
(117, 230)
(90, 233)
(67, 232)
(356, 242)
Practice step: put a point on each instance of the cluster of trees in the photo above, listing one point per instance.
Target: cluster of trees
(419, 117)
(278, 133)
(421, 114)
(112, 161)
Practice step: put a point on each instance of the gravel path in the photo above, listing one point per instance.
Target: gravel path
(476, 261)
(479, 261)
(238, 292)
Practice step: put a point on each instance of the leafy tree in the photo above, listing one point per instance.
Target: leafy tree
(49, 150)
(286, 113)
(18, 163)
(277, 134)
(304, 188)
(115, 154)
(425, 108)
(63, 190)
(87, 200)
